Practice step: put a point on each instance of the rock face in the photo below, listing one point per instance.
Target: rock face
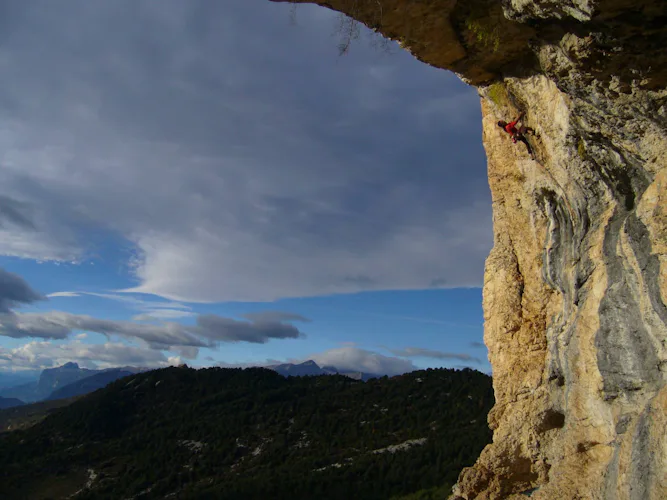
(576, 284)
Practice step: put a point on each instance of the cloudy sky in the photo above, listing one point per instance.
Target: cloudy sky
(208, 182)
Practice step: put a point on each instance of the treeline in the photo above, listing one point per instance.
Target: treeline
(245, 434)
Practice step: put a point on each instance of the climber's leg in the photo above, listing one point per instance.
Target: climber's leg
(526, 130)
(521, 138)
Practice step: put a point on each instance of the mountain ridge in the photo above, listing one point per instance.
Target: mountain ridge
(9, 403)
(311, 368)
(58, 378)
(88, 384)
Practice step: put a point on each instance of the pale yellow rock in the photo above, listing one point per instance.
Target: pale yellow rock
(542, 323)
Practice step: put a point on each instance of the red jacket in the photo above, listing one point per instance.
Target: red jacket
(510, 128)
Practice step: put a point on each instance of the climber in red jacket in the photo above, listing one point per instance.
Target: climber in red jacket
(518, 134)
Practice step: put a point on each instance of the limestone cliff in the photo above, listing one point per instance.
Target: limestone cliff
(576, 284)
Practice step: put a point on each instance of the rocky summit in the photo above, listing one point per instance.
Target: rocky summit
(576, 284)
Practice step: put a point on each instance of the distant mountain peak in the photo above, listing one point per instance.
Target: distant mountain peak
(51, 380)
(310, 368)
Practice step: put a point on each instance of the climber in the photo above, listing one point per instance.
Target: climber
(518, 134)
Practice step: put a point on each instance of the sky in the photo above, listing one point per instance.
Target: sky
(211, 183)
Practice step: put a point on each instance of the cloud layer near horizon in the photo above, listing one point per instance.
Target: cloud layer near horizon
(355, 359)
(164, 343)
(419, 352)
(239, 156)
(209, 330)
(40, 355)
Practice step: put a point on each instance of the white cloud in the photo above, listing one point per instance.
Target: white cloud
(39, 355)
(356, 359)
(127, 299)
(235, 179)
(186, 352)
(420, 352)
(151, 309)
(64, 294)
(174, 360)
(163, 314)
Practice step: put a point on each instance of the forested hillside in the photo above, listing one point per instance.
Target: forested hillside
(243, 434)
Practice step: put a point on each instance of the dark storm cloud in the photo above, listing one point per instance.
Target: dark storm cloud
(209, 330)
(241, 156)
(15, 291)
(14, 212)
(222, 329)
